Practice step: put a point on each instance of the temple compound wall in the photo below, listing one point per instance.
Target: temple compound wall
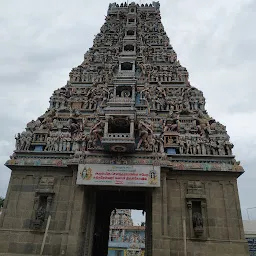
(127, 131)
(181, 193)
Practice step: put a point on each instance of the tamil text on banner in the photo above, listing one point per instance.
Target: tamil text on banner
(118, 175)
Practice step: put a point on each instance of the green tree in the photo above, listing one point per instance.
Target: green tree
(1, 201)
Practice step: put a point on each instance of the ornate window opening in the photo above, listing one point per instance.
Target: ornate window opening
(129, 47)
(127, 66)
(197, 217)
(42, 207)
(130, 33)
(196, 203)
(130, 21)
(120, 124)
(42, 202)
(124, 91)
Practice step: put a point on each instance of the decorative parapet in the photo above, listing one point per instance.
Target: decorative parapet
(173, 162)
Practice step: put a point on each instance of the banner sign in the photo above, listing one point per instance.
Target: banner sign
(118, 175)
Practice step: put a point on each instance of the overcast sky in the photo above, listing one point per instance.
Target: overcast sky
(40, 41)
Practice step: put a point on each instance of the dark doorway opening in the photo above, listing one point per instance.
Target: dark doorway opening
(119, 124)
(130, 33)
(122, 198)
(126, 66)
(129, 47)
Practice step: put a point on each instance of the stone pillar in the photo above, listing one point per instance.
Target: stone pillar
(157, 244)
(132, 126)
(164, 206)
(148, 231)
(36, 205)
(205, 222)
(106, 224)
(89, 233)
(189, 205)
(133, 92)
(106, 127)
(114, 91)
(123, 235)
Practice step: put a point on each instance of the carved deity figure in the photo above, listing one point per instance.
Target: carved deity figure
(201, 144)
(182, 145)
(40, 214)
(214, 147)
(221, 147)
(68, 142)
(18, 142)
(23, 140)
(48, 146)
(145, 129)
(228, 147)
(97, 132)
(197, 220)
(159, 144)
(74, 127)
(188, 145)
(174, 125)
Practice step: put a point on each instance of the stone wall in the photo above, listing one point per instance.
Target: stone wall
(73, 208)
(222, 222)
(67, 211)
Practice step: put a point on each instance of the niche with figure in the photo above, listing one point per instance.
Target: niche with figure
(42, 207)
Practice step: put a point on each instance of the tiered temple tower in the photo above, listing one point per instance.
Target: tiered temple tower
(124, 237)
(129, 104)
(121, 217)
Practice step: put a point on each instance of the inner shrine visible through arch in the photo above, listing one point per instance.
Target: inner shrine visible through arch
(108, 201)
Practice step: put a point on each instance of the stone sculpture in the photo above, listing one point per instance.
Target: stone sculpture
(197, 220)
(40, 214)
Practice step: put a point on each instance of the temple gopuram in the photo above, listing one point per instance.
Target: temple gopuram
(124, 237)
(127, 131)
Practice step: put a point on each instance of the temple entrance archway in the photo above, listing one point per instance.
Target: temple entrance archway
(108, 199)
